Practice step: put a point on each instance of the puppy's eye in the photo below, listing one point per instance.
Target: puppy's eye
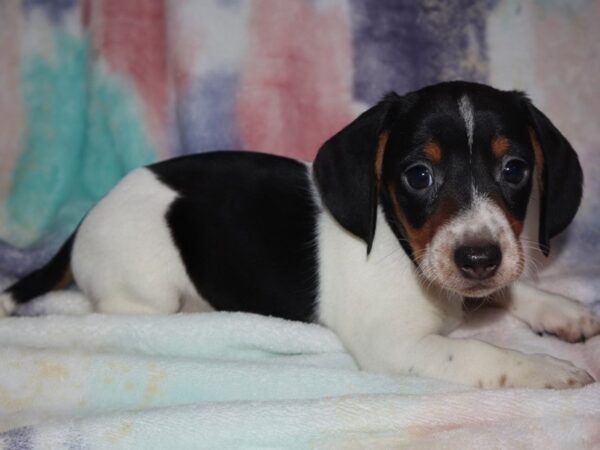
(418, 177)
(515, 171)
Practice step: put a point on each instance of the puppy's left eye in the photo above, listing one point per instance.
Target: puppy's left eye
(515, 171)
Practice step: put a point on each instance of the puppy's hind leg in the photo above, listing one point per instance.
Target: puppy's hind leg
(127, 302)
(128, 305)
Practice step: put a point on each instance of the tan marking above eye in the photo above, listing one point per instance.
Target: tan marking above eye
(433, 152)
(500, 146)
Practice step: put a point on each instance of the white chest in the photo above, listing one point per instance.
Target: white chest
(366, 298)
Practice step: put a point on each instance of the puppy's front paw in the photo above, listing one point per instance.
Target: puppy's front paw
(567, 319)
(542, 371)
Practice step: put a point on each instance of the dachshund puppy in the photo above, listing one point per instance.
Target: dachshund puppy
(417, 204)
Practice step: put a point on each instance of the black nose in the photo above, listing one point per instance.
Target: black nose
(478, 262)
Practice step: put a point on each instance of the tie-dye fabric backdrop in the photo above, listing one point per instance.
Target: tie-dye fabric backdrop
(92, 89)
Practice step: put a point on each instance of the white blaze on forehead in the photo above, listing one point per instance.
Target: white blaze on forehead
(466, 111)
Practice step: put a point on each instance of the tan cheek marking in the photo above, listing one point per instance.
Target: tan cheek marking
(500, 146)
(538, 156)
(515, 224)
(433, 152)
(379, 153)
(419, 237)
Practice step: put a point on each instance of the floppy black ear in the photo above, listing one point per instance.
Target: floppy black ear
(345, 169)
(562, 178)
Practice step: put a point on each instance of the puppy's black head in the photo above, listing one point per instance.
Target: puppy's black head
(453, 166)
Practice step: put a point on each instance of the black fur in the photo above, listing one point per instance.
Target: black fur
(562, 178)
(46, 278)
(344, 166)
(345, 173)
(435, 117)
(245, 226)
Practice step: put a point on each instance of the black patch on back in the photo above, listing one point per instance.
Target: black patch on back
(245, 226)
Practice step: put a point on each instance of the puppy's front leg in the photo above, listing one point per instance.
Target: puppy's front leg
(568, 319)
(476, 363)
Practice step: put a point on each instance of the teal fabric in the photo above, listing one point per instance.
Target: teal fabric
(83, 133)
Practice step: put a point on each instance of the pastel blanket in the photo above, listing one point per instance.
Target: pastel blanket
(234, 380)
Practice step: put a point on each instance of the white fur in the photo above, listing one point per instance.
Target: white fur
(550, 313)
(483, 220)
(544, 311)
(376, 304)
(65, 303)
(132, 269)
(393, 321)
(466, 111)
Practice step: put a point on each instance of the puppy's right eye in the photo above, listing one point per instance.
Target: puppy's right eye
(418, 177)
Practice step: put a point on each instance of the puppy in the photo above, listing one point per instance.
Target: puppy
(418, 203)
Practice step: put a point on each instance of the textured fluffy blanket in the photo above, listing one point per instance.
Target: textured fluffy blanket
(91, 89)
(233, 380)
